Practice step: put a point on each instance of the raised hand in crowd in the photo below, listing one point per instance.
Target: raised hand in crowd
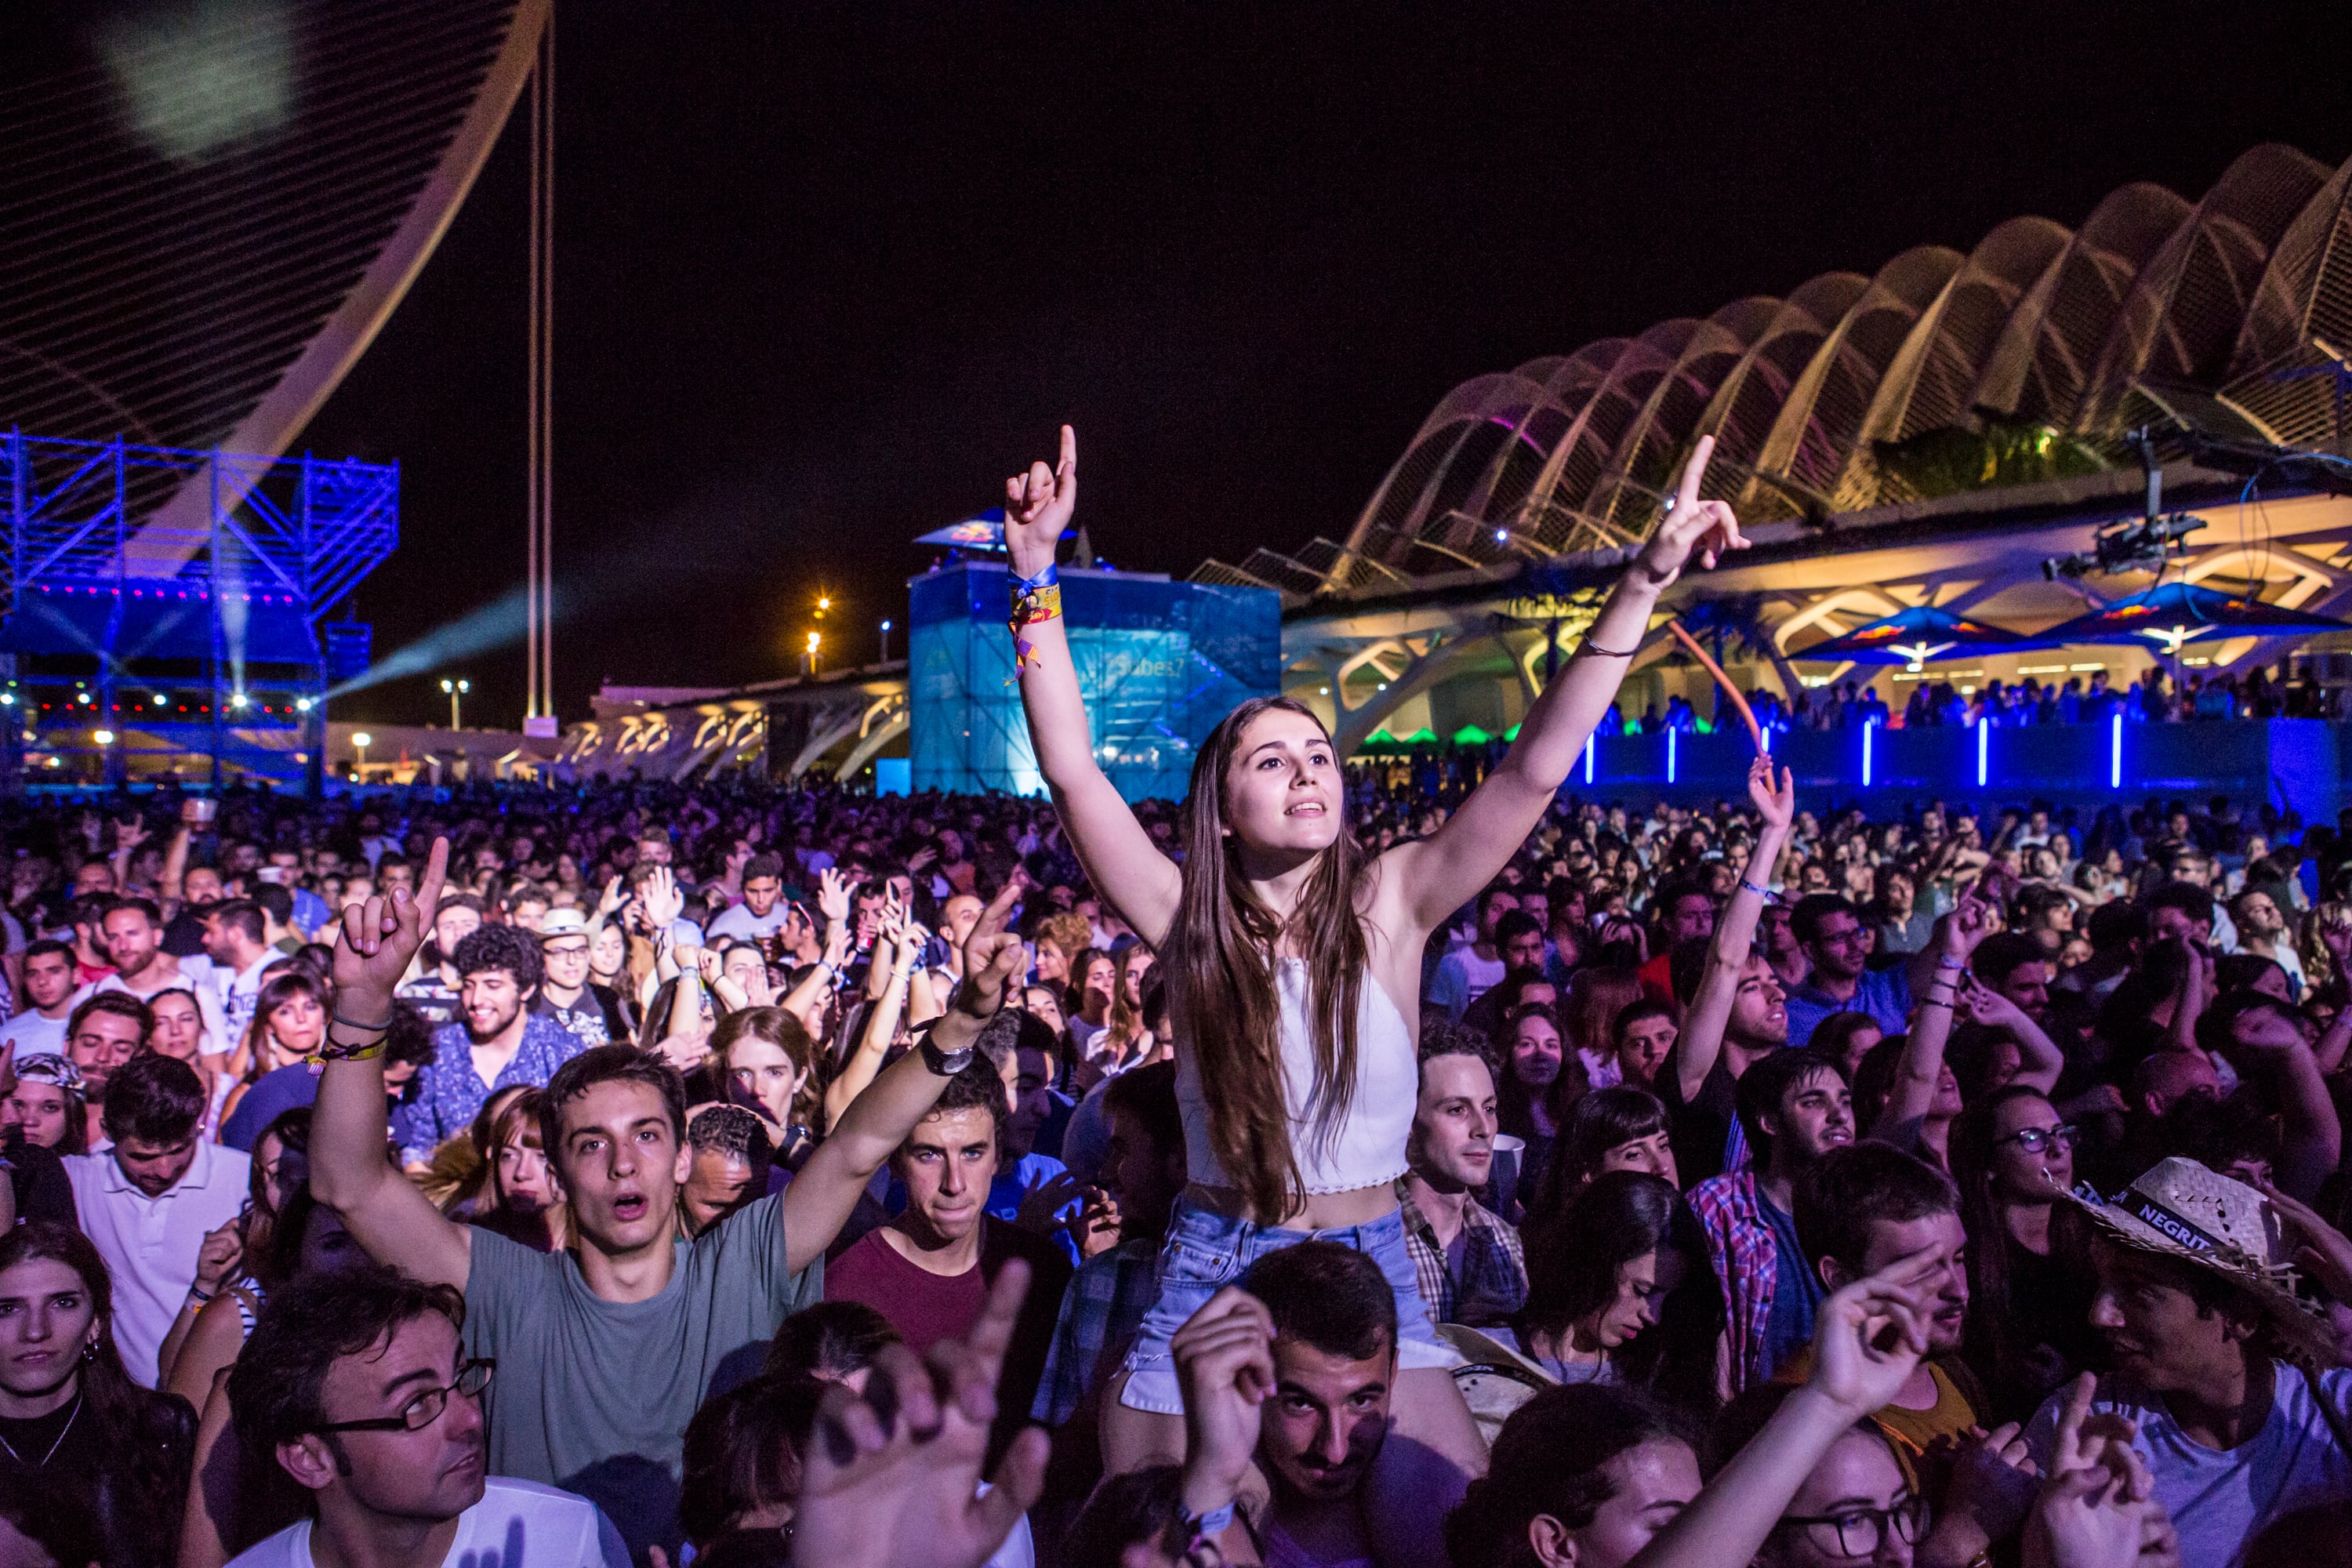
(2098, 1507)
(893, 1475)
(1868, 1338)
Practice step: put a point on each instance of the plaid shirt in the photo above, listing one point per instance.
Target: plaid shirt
(1747, 1265)
(1493, 1283)
(1100, 1312)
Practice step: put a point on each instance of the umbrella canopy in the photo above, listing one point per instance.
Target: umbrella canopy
(1914, 637)
(2172, 613)
(984, 531)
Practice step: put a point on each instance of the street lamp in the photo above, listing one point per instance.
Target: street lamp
(813, 640)
(456, 689)
(886, 642)
(360, 739)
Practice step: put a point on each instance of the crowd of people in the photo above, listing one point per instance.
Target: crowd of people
(1332, 1168)
(2154, 697)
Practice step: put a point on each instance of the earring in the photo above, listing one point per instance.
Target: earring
(90, 1351)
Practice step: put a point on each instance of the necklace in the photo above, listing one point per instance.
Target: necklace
(54, 1447)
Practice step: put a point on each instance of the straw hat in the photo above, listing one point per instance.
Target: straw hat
(2180, 1209)
(561, 922)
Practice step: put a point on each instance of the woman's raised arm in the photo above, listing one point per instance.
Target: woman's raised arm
(1125, 868)
(1444, 872)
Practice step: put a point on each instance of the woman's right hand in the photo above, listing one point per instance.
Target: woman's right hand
(1037, 508)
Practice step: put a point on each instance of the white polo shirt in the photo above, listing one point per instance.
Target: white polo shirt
(151, 1245)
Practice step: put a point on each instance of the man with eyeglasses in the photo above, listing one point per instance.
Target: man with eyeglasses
(566, 994)
(353, 1385)
(1831, 931)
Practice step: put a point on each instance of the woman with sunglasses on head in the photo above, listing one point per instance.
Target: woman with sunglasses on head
(1294, 964)
(2028, 1317)
(45, 1100)
(71, 1421)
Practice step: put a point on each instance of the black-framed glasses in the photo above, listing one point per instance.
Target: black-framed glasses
(424, 1407)
(2033, 1140)
(1861, 1531)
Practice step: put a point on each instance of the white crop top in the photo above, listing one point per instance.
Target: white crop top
(1365, 1150)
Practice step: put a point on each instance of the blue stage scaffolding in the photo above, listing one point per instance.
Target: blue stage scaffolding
(175, 601)
(1159, 664)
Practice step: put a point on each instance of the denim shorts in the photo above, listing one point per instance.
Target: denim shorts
(1206, 1251)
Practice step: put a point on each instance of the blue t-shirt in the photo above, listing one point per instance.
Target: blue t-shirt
(2220, 1499)
(1883, 994)
(1795, 1292)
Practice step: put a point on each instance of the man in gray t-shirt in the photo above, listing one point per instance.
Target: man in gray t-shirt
(606, 1351)
(596, 1394)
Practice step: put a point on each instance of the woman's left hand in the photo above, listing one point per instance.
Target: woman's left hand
(1691, 527)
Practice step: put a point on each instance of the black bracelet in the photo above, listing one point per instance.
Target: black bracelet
(383, 1028)
(1590, 646)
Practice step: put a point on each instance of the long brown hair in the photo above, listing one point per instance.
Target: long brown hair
(1225, 945)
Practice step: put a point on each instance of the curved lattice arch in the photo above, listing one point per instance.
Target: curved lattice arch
(1927, 386)
(2183, 314)
(2043, 359)
(1822, 417)
(2233, 311)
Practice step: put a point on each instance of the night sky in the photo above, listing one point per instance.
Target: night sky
(826, 272)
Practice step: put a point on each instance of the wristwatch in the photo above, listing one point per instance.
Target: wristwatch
(946, 1063)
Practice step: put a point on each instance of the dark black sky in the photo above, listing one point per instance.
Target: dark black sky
(826, 272)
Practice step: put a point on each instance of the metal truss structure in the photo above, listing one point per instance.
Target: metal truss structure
(179, 641)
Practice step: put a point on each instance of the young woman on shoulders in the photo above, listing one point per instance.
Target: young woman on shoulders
(1293, 962)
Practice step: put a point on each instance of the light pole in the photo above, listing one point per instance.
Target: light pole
(456, 691)
(886, 642)
(360, 739)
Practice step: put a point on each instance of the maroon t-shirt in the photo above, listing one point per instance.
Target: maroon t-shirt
(926, 1308)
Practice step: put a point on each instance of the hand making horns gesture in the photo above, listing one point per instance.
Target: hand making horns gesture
(1038, 506)
(1692, 526)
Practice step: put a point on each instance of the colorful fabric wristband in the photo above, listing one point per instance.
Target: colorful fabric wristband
(1033, 601)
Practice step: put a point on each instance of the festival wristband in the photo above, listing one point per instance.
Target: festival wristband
(1764, 893)
(1031, 605)
(1209, 1525)
(1047, 578)
(384, 1027)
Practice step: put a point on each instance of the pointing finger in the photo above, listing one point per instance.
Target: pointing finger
(1693, 472)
